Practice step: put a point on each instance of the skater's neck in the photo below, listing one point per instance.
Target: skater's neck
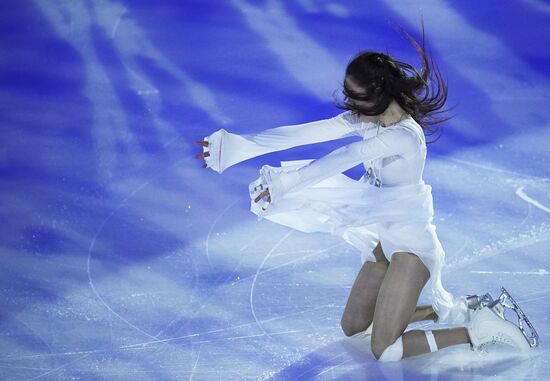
(392, 115)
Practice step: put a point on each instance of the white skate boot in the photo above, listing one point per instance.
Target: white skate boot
(489, 325)
(486, 327)
(469, 305)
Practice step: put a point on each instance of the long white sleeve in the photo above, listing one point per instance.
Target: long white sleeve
(391, 141)
(227, 149)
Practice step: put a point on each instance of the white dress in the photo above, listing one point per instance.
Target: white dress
(391, 203)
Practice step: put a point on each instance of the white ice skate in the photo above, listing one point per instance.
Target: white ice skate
(489, 325)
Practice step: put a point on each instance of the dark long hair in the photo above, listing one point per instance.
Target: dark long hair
(384, 78)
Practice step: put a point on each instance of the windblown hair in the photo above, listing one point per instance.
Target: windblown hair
(384, 78)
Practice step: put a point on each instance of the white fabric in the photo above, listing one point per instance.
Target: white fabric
(315, 196)
(458, 314)
(431, 341)
(394, 352)
(227, 149)
(369, 330)
(367, 333)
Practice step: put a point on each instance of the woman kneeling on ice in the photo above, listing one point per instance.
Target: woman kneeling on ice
(387, 214)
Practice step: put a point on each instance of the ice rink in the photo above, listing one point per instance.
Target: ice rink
(124, 259)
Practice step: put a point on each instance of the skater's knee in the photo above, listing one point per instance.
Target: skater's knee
(347, 328)
(352, 326)
(378, 346)
(383, 338)
(385, 350)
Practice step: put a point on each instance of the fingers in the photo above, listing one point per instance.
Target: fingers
(204, 154)
(201, 155)
(261, 195)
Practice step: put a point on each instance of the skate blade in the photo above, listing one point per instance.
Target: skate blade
(505, 300)
(476, 302)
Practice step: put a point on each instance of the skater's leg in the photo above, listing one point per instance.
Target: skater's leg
(399, 292)
(423, 312)
(359, 310)
(415, 342)
(396, 303)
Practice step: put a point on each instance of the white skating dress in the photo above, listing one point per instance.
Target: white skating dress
(391, 203)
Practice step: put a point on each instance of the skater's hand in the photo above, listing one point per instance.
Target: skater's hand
(204, 154)
(262, 195)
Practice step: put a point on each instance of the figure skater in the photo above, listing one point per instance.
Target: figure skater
(387, 214)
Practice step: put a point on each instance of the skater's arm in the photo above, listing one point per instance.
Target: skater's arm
(391, 141)
(226, 149)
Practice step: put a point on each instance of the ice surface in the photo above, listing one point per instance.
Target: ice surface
(123, 259)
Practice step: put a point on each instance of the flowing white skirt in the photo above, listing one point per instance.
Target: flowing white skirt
(399, 217)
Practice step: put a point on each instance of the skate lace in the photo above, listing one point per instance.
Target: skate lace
(480, 349)
(499, 338)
